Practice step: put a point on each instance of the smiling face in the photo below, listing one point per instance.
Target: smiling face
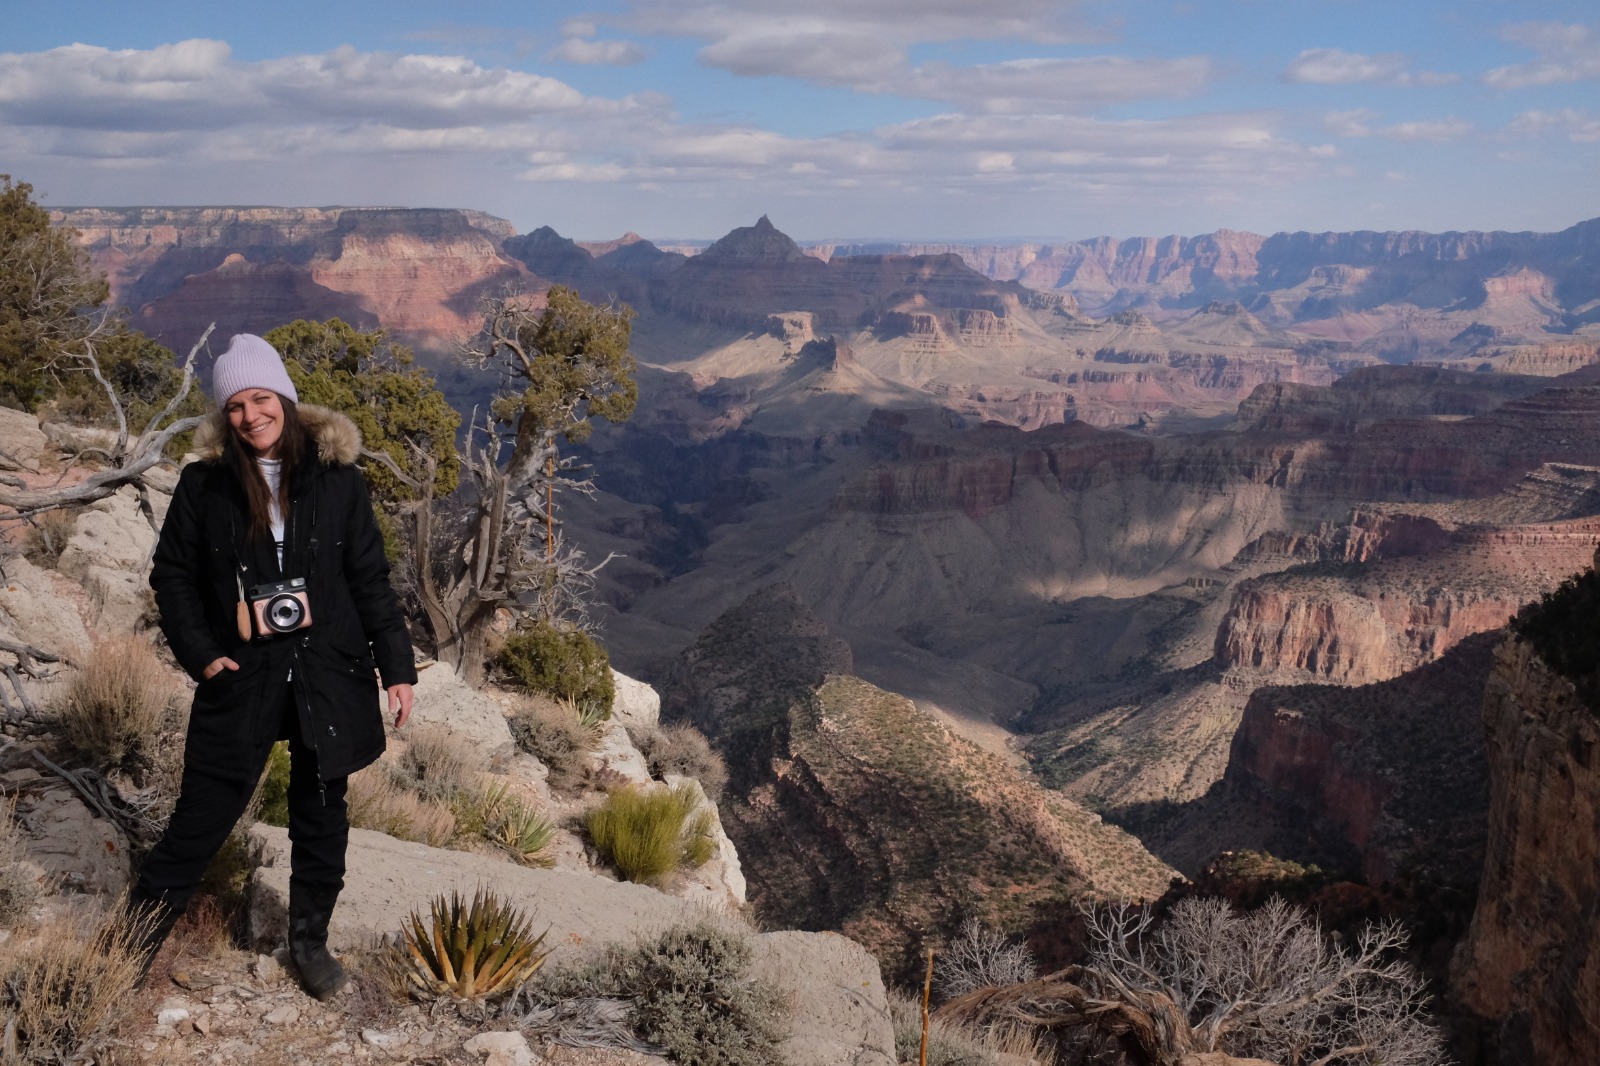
(256, 416)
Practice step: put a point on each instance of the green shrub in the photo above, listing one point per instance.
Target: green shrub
(275, 786)
(552, 733)
(648, 833)
(564, 663)
(691, 994)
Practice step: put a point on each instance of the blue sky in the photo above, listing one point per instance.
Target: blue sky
(903, 119)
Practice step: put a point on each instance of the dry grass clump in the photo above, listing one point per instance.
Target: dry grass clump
(376, 802)
(48, 534)
(684, 750)
(113, 710)
(648, 833)
(20, 890)
(952, 1044)
(68, 987)
(437, 764)
(553, 733)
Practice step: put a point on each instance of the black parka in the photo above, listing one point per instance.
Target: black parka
(332, 540)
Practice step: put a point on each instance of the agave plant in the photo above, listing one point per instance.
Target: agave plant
(471, 951)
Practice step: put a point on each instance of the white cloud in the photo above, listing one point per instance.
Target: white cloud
(1578, 125)
(1447, 129)
(597, 53)
(1333, 66)
(1565, 53)
(1355, 123)
(1053, 84)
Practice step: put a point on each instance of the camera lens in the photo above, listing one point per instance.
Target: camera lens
(283, 613)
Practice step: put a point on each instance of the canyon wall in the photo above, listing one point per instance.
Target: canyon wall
(1531, 962)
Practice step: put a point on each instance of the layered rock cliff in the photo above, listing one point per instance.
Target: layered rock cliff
(854, 810)
(416, 272)
(1530, 964)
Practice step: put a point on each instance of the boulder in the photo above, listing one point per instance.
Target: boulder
(109, 556)
(636, 705)
(38, 607)
(615, 752)
(21, 440)
(443, 699)
(73, 439)
(841, 1013)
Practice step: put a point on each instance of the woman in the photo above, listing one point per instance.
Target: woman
(274, 498)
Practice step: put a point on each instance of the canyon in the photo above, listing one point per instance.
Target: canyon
(1215, 538)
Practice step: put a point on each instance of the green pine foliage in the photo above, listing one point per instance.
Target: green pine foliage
(394, 403)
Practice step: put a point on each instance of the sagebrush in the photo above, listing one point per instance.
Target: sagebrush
(683, 750)
(20, 888)
(552, 733)
(691, 994)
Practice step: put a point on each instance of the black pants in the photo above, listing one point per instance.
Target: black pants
(208, 806)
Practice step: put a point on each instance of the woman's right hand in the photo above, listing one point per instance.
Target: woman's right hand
(217, 666)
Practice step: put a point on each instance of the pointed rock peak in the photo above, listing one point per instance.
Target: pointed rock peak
(761, 242)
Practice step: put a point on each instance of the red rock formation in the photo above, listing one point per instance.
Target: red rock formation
(1531, 961)
(1424, 591)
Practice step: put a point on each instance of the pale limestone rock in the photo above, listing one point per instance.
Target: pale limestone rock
(37, 606)
(637, 705)
(21, 440)
(509, 1048)
(109, 555)
(442, 699)
(615, 752)
(66, 437)
(74, 847)
(841, 1013)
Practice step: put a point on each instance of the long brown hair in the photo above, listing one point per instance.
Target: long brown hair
(294, 446)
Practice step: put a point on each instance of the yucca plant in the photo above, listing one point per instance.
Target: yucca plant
(525, 833)
(470, 951)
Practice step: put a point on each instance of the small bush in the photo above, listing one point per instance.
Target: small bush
(48, 534)
(67, 988)
(1564, 628)
(691, 994)
(437, 764)
(273, 798)
(20, 889)
(564, 663)
(648, 833)
(114, 705)
(377, 803)
(684, 750)
(522, 832)
(552, 733)
(982, 958)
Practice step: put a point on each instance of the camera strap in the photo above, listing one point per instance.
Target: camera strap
(241, 610)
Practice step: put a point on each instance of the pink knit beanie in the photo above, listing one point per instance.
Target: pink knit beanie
(250, 363)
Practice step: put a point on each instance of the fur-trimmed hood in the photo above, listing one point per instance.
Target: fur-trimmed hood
(338, 439)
